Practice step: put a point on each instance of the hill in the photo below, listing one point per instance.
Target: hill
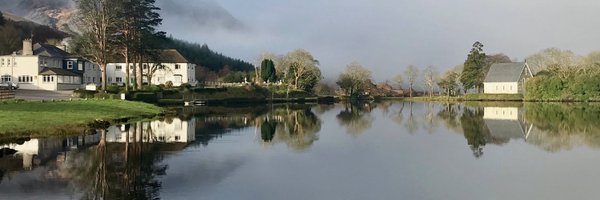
(13, 32)
(204, 56)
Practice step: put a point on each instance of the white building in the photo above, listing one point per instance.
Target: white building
(47, 67)
(169, 65)
(507, 78)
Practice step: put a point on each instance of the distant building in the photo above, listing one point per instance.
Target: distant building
(47, 67)
(507, 78)
(169, 65)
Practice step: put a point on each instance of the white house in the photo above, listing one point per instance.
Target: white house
(507, 78)
(169, 65)
(47, 67)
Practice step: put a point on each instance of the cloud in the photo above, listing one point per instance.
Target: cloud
(198, 15)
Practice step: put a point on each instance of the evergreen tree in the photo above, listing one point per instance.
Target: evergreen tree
(2, 20)
(473, 71)
(267, 71)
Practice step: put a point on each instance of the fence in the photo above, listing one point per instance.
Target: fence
(7, 94)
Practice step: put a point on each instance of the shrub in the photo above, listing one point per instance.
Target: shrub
(113, 89)
(147, 97)
(84, 94)
(169, 84)
(151, 88)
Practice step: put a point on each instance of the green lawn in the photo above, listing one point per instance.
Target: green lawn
(42, 117)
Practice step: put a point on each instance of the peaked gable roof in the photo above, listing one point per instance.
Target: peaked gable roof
(162, 56)
(505, 72)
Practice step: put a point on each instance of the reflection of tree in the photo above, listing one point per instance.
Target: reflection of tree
(267, 130)
(562, 126)
(398, 117)
(118, 171)
(430, 123)
(411, 124)
(449, 115)
(475, 130)
(298, 129)
(355, 120)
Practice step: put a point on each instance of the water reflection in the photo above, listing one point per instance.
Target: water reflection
(132, 161)
(356, 118)
(297, 128)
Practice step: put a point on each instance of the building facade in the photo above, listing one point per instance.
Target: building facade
(169, 65)
(47, 67)
(507, 78)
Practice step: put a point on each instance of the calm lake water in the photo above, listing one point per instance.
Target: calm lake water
(389, 150)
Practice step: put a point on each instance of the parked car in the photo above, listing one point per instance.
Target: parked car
(9, 86)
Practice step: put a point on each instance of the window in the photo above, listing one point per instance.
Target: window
(6, 78)
(93, 79)
(80, 66)
(2, 62)
(109, 79)
(161, 67)
(69, 64)
(118, 67)
(25, 79)
(145, 66)
(47, 79)
(119, 79)
(177, 67)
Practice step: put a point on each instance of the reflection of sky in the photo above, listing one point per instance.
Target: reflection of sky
(384, 162)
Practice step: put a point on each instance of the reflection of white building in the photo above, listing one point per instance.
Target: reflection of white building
(506, 122)
(167, 131)
(35, 151)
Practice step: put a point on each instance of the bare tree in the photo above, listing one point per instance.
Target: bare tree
(411, 74)
(561, 62)
(355, 79)
(430, 77)
(297, 64)
(98, 22)
(398, 81)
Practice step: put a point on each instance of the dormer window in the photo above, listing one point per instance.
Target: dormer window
(69, 64)
(118, 67)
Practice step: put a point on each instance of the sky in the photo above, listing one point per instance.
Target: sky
(385, 35)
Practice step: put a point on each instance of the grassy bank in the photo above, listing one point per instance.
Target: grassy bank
(435, 98)
(468, 97)
(43, 117)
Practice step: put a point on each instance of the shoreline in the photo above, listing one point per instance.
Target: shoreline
(33, 118)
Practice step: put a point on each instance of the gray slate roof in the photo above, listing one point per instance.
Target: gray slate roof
(47, 50)
(505, 72)
(163, 56)
(57, 71)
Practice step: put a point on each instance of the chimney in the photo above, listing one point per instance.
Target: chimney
(28, 47)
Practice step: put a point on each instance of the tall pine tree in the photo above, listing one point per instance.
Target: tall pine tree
(267, 71)
(473, 72)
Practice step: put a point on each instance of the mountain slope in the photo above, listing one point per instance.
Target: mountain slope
(59, 14)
